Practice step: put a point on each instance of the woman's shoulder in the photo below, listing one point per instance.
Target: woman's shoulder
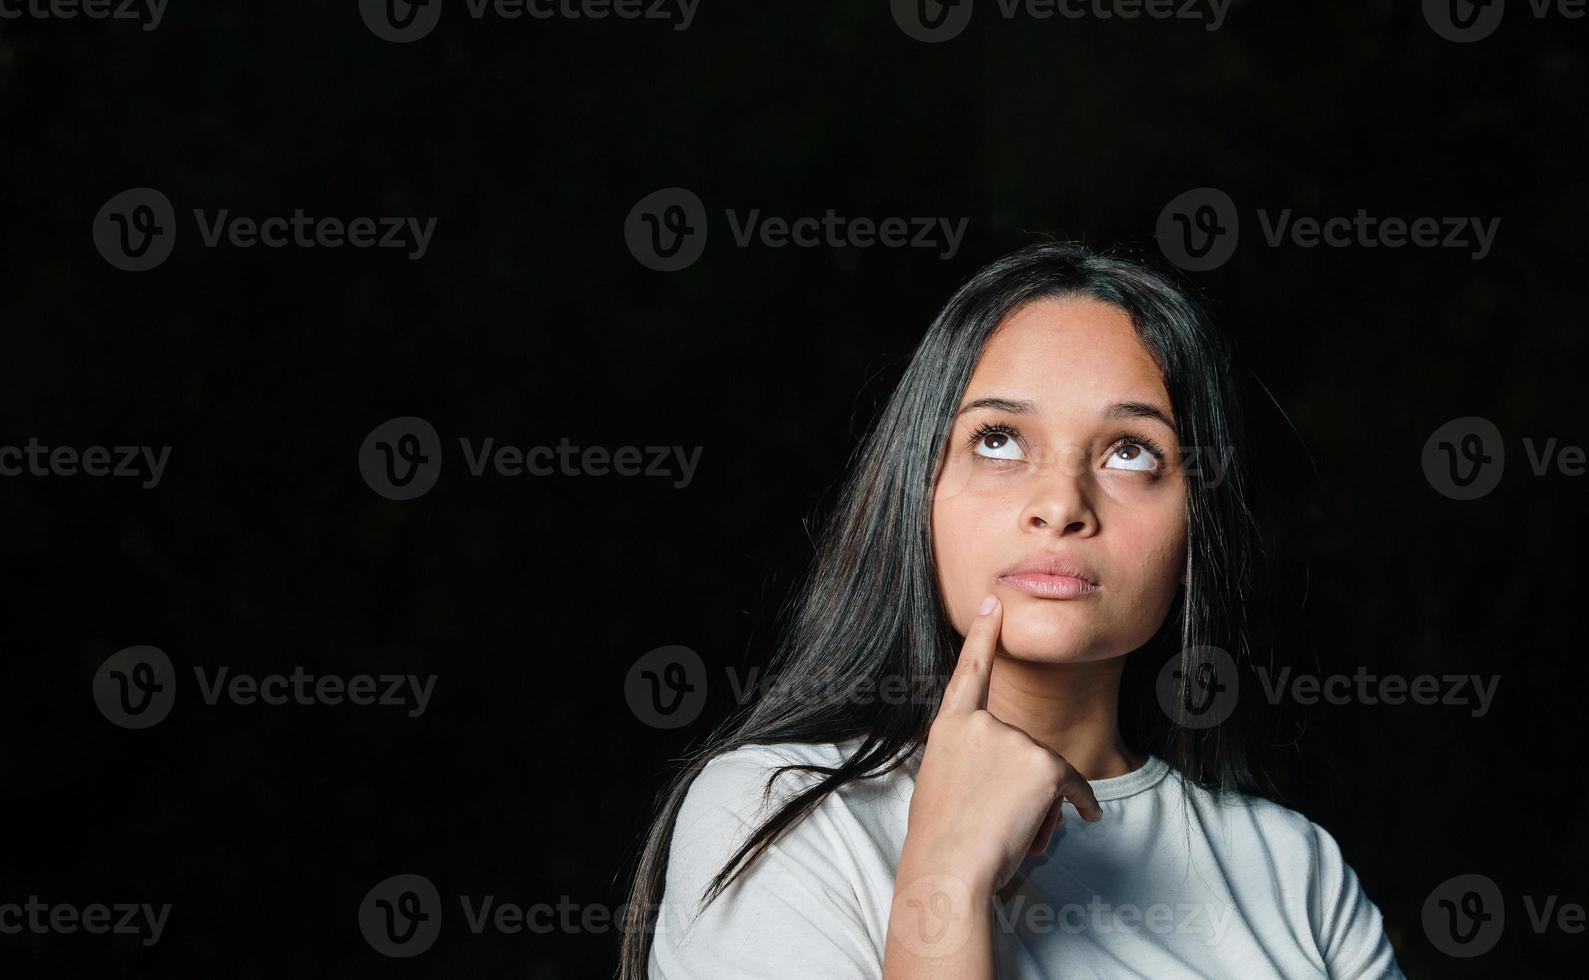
(733, 795)
(736, 783)
(746, 770)
(741, 788)
(800, 893)
(1263, 833)
(763, 755)
(751, 780)
(1283, 847)
(1281, 824)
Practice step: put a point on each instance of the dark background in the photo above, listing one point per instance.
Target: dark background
(529, 777)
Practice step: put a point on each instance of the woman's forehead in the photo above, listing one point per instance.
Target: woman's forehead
(1067, 355)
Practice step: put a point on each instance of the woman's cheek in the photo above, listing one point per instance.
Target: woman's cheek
(1159, 590)
(954, 551)
(1146, 560)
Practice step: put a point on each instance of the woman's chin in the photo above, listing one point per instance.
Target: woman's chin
(1049, 643)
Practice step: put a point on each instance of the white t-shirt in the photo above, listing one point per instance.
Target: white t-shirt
(1167, 884)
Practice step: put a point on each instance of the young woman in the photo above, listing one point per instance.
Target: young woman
(1044, 534)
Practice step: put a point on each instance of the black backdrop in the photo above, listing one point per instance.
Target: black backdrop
(529, 319)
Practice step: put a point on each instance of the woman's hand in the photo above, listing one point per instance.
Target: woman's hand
(987, 794)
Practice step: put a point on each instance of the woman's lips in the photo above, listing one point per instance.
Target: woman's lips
(1050, 586)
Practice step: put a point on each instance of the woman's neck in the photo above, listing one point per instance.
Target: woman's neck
(1072, 708)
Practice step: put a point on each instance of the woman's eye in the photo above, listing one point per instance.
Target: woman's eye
(997, 444)
(1131, 456)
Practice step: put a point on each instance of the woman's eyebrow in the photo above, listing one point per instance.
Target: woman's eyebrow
(999, 404)
(1139, 410)
(1118, 410)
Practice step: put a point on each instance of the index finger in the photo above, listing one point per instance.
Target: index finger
(967, 690)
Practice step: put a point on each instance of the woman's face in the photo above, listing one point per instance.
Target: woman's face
(1063, 461)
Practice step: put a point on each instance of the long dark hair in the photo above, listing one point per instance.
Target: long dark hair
(870, 607)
